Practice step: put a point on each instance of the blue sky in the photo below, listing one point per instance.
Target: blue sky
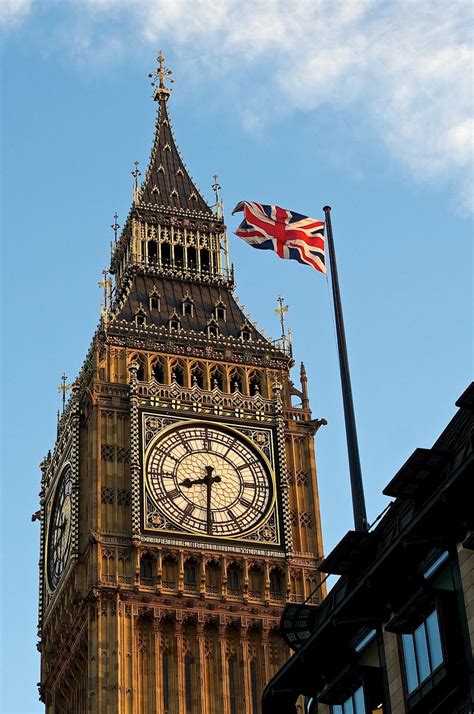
(366, 106)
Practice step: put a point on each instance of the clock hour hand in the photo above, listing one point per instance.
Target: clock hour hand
(207, 481)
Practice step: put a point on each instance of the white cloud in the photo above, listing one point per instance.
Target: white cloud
(12, 12)
(405, 65)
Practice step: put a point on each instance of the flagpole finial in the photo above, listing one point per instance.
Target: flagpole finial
(326, 208)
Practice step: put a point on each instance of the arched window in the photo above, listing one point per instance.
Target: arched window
(140, 317)
(187, 306)
(138, 359)
(197, 376)
(232, 685)
(178, 256)
(192, 258)
(188, 681)
(236, 381)
(217, 379)
(190, 574)
(205, 260)
(152, 251)
(254, 687)
(213, 577)
(212, 329)
(177, 374)
(147, 569)
(165, 254)
(276, 583)
(170, 572)
(256, 581)
(159, 371)
(155, 301)
(233, 580)
(174, 323)
(220, 311)
(255, 383)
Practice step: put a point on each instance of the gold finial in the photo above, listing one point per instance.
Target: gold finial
(216, 187)
(136, 174)
(158, 77)
(281, 311)
(64, 388)
(106, 284)
(115, 227)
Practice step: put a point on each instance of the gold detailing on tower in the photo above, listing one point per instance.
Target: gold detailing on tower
(136, 174)
(64, 388)
(158, 77)
(106, 284)
(281, 311)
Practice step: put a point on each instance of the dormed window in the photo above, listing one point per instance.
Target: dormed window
(140, 317)
(422, 651)
(245, 334)
(212, 329)
(187, 306)
(155, 301)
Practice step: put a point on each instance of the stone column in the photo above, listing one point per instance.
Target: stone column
(178, 633)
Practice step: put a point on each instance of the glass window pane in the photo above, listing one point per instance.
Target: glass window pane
(359, 706)
(421, 649)
(348, 706)
(434, 640)
(410, 662)
(336, 709)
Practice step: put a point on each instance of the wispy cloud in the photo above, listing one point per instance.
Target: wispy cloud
(13, 12)
(404, 65)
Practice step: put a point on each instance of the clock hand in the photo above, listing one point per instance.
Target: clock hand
(207, 481)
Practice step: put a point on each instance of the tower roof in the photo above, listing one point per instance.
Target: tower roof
(167, 182)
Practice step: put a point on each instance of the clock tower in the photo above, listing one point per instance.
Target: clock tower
(179, 506)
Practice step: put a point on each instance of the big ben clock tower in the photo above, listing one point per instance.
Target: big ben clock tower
(179, 506)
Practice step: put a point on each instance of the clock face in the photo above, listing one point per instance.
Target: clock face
(59, 532)
(209, 480)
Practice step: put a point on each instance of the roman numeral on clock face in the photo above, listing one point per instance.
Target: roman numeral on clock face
(244, 502)
(173, 493)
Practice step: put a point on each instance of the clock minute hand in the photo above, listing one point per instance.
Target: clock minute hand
(207, 480)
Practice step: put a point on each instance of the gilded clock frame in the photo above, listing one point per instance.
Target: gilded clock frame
(272, 521)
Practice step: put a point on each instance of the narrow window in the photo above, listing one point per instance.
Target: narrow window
(146, 570)
(355, 704)
(188, 307)
(152, 251)
(422, 651)
(246, 336)
(192, 258)
(175, 325)
(205, 261)
(140, 319)
(188, 681)
(178, 256)
(254, 686)
(178, 375)
(165, 253)
(232, 692)
(220, 312)
(213, 331)
(155, 303)
(190, 574)
(166, 683)
(276, 585)
(159, 372)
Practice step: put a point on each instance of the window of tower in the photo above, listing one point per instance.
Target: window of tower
(190, 575)
(170, 572)
(233, 580)
(166, 681)
(178, 256)
(165, 254)
(232, 685)
(205, 260)
(276, 584)
(141, 367)
(174, 324)
(256, 581)
(254, 687)
(246, 335)
(155, 303)
(197, 376)
(188, 685)
(256, 383)
(213, 577)
(212, 330)
(152, 251)
(217, 379)
(177, 374)
(236, 381)
(147, 570)
(159, 371)
(220, 312)
(188, 307)
(192, 258)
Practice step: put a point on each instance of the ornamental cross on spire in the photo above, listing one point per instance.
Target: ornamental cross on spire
(158, 77)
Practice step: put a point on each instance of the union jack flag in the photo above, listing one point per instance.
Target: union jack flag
(289, 234)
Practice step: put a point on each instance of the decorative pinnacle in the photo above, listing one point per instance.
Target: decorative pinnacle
(64, 388)
(136, 174)
(216, 187)
(106, 283)
(115, 227)
(281, 311)
(158, 77)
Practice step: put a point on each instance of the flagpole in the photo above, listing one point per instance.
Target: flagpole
(357, 488)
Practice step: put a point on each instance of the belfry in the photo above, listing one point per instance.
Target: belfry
(179, 505)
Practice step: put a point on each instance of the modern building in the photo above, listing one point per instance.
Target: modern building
(396, 632)
(179, 505)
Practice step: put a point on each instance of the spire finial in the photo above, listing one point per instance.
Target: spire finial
(64, 388)
(216, 187)
(106, 284)
(281, 311)
(135, 175)
(115, 226)
(158, 77)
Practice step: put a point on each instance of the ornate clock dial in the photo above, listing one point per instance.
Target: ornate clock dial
(209, 480)
(59, 532)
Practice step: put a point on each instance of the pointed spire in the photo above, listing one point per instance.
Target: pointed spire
(167, 182)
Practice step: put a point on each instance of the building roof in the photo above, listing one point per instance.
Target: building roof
(167, 182)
